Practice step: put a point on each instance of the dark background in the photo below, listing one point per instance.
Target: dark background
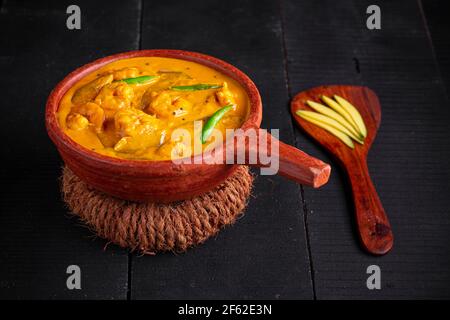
(293, 242)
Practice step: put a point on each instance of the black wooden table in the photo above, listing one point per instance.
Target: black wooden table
(293, 242)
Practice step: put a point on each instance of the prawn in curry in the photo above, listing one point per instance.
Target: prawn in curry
(129, 108)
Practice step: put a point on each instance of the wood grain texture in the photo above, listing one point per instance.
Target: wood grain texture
(438, 32)
(38, 240)
(264, 254)
(329, 43)
(374, 228)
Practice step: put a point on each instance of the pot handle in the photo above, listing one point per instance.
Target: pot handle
(293, 163)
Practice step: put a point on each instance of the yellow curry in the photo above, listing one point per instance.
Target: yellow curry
(130, 108)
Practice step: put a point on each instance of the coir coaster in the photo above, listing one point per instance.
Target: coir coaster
(151, 227)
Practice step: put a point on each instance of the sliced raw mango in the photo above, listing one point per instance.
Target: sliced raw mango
(339, 134)
(334, 115)
(341, 110)
(331, 122)
(354, 114)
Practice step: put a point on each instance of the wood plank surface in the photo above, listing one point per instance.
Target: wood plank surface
(264, 254)
(38, 239)
(438, 32)
(329, 43)
(293, 242)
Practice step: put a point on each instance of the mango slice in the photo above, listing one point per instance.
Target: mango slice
(339, 134)
(334, 115)
(330, 122)
(354, 113)
(341, 110)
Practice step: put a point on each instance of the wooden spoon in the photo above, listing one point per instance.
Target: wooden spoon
(373, 225)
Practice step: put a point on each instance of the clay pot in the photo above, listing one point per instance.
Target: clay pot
(166, 181)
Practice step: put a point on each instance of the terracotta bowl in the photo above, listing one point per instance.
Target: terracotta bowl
(165, 181)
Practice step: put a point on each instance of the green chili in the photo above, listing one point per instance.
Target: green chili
(196, 87)
(213, 120)
(138, 80)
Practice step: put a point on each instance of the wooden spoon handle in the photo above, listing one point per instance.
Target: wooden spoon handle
(293, 164)
(373, 225)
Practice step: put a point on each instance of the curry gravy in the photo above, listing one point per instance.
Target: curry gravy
(112, 113)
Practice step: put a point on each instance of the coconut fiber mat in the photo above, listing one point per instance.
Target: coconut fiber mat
(151, 227)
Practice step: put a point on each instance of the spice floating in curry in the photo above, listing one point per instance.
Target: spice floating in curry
(129, 108)
(340, 118)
